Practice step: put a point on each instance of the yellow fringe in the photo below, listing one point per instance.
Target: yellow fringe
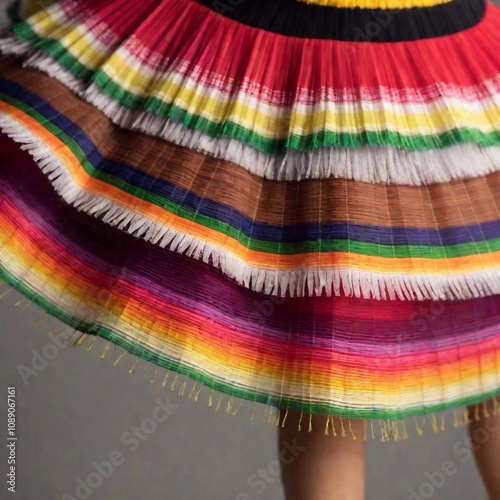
(253, 411)
(198, 393)
(299, 428)
(352, 432)
(172, 385)
(106, 349)
(284, 419)
(81, 339)
(134, 365)
(405, 432)
(218, 403)
(181, 390)
(91, 343)
(154, 376)
(119, 358)
(332, 419)
(390, 430)
(277, 419)
(190, 395)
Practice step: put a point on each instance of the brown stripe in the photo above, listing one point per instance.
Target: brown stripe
(263, 200)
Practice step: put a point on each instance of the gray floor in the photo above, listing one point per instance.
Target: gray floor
(77, 410)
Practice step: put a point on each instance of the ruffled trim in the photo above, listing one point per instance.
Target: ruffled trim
(124, 326)
(373, 164)
(293, 283)
(387, 164)
(188, 318)
(172, 88)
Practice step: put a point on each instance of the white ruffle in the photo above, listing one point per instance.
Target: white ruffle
(297, 282)
(374, 164)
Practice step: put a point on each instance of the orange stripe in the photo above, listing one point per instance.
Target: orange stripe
(476, 361)
(408, 266)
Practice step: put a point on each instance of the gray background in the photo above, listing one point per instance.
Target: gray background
(76, 410)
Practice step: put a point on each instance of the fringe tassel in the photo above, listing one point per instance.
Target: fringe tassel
(365, 164)
(371, 164)
(296, 283)
(390, 430)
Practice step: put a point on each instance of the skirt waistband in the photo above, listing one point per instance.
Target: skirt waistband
(313, 20)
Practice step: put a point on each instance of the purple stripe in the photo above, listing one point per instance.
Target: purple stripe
(199, 287)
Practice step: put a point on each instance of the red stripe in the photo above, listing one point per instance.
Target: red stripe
(224, 48)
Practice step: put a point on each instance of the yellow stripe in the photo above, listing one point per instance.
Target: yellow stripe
(267, 120)
(73, 37)
(179, 337)
(376, 4)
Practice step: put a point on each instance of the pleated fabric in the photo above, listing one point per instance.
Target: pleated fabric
(294, 203)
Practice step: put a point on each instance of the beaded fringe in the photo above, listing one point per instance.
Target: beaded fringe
(383, 430)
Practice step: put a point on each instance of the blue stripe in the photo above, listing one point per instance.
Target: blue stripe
(395, 236)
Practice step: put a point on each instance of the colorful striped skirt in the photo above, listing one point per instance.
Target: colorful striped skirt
(293, 204)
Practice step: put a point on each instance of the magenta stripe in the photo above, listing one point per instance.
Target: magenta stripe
(196, 286)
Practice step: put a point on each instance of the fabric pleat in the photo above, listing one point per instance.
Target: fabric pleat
(416, 241)
(293, 203)
(175, 86)
(213, 327)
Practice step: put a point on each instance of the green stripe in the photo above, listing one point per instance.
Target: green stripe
(322, 246)
(53, 47)
(232, 130)
(162, 360)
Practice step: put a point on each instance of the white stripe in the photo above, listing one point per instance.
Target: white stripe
(369, 399)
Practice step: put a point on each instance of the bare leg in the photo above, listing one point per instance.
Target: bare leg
(316, 466)
(485, 441)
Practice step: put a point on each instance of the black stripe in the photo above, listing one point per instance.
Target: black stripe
(292, 18)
